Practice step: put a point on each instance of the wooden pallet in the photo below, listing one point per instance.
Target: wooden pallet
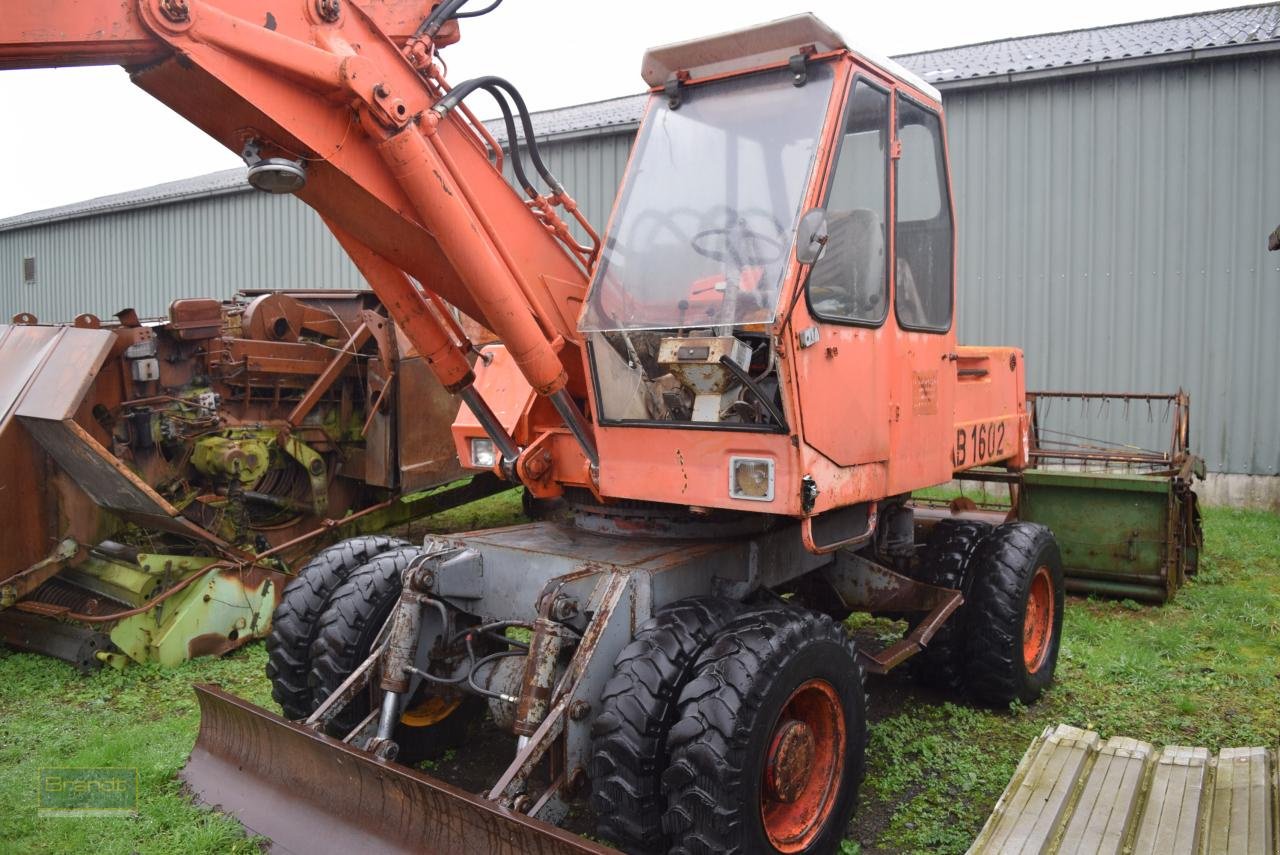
(1074, 794)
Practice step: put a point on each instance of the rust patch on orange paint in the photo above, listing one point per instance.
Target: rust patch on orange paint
(924, 397)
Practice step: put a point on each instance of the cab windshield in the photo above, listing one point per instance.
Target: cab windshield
(707, 215)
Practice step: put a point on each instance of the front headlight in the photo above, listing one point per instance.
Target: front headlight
(751, 478)
(483, 454)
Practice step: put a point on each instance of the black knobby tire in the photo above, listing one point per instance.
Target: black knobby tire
(637, 708)
(296, 620)
(1005, 566)
(347, 631)
(728, 714)
(946, 561)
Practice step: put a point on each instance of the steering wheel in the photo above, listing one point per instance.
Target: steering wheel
(739, 244)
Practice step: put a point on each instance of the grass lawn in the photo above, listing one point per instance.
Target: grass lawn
(1204, 670)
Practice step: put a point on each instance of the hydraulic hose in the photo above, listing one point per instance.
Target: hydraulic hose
(517, 162)
(476, 14)
(495, 85)
(445, 12)
(437, 19)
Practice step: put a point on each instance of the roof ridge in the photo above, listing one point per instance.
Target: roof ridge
(178, 189)
(1008, 39)
(589, 103)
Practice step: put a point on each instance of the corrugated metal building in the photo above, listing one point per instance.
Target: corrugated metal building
(1114, 188)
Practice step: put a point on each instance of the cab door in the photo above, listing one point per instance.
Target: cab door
(842, 356)
(923, 375)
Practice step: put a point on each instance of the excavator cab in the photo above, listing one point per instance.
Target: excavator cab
(780, 264)
(694, 266)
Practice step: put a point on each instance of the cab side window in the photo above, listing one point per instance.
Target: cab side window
(849, 283)
(923, 230)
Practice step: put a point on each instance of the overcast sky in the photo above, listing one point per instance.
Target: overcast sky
(72, 134)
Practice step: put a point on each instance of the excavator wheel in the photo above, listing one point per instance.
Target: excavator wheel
(1014, 615)
(638, 707)
(347, 631)
(767, 752)
(296, 620)
(946, 562)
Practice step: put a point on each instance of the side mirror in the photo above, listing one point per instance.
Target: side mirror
(811, 236)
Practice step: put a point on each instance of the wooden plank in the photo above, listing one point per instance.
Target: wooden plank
(1240, 821)
(1072, 796)
(1035, 803)
(1171, 817)
(1110, 799)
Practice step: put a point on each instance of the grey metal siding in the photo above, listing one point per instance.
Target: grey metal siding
(1114, 227)
(1111, 224)
(145, 258)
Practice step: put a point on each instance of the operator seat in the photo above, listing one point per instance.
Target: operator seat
(848, 281)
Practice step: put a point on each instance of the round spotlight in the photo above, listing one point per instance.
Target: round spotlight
(277, 175)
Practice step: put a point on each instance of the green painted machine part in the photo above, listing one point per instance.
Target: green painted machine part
(313, 463)
(245, 459)
(134, 582)
(208, 618)
(177, 607)
(1125, 517)
(1121, 535)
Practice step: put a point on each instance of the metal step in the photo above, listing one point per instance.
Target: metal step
(1074, 794)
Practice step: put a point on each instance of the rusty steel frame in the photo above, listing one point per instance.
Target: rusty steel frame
(1173, 460)
(864, 585)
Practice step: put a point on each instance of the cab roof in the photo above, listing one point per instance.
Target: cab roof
(762, 44)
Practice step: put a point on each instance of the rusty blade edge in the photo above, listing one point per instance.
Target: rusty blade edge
(311, 794)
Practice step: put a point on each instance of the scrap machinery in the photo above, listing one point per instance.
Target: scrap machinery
(163, 477)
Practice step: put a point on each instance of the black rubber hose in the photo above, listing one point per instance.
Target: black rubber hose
(743, 377)
(476, 14)
(493, 84)
(513, 142)
(448, 11)
(530, 141)
(438, 17)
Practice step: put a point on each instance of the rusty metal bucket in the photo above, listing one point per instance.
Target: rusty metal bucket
(311, 794)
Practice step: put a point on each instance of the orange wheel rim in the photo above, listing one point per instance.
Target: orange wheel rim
(804, 765)
(1037, 626)
(431, 711)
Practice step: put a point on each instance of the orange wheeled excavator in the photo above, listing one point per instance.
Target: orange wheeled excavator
(734, 393)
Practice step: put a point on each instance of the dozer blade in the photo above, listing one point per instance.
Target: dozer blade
(311, 794)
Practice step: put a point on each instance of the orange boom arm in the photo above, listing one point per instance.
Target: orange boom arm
(345, 91)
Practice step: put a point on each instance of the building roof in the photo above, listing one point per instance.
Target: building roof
(1163, 37)
(212, 184)
(1179, 38)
